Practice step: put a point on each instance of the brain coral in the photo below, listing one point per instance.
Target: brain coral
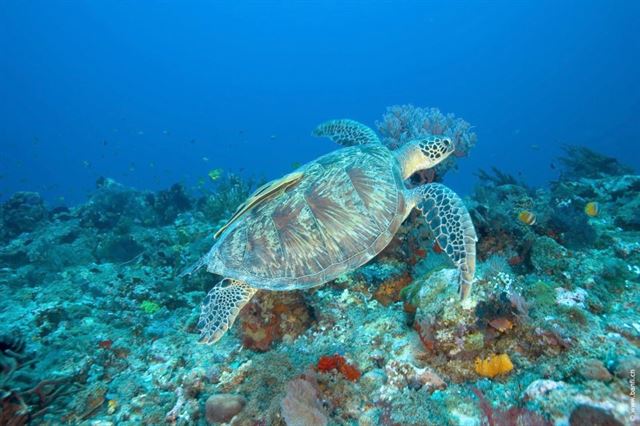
(402, 123)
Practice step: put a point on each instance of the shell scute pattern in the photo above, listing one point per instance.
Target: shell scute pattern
(336, 218)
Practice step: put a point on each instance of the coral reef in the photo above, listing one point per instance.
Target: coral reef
(22, 212)
(103, 330)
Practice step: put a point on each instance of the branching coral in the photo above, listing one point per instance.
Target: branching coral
(582, 162)
(402, 123)
(230, 191)
(22, 401)
(498, 178)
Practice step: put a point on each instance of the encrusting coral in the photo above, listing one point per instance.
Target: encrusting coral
(328, 363)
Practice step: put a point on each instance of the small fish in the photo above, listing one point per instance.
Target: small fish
(86, 164)
(205, 159)
(526, 217)
(295, 165)
(273, 137)
(112, 406)
(215, 174)
(535, 147)
(553, 166)
(592, 209)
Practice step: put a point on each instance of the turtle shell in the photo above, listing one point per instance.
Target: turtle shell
(342, 211)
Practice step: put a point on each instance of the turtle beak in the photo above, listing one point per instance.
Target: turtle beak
(449, 145)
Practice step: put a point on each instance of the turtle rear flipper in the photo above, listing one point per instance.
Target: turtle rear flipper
(452, 228)
(346, 132)
(221, 307)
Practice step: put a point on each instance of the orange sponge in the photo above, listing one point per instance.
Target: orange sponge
(337, 362)
(494, 365)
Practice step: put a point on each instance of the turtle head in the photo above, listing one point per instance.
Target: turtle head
(424, 153)
(435, 149)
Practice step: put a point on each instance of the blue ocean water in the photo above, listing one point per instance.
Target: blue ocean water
(151, 93)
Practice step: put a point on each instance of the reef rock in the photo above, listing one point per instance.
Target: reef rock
(222, 407)
(22, 213)
(272, 317)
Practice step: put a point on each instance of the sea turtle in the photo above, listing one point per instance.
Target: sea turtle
(329, 217)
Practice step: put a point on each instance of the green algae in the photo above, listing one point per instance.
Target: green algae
(541, 294)
(149, 307)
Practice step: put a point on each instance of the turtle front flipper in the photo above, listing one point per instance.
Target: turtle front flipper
(452, 228)
(221, 307)
(346, 132)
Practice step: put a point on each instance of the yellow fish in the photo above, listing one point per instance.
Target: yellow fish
(112, 406)
(215, 174)
(526, 217)
(592, 209)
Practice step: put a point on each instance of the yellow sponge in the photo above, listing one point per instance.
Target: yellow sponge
(494, 365)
